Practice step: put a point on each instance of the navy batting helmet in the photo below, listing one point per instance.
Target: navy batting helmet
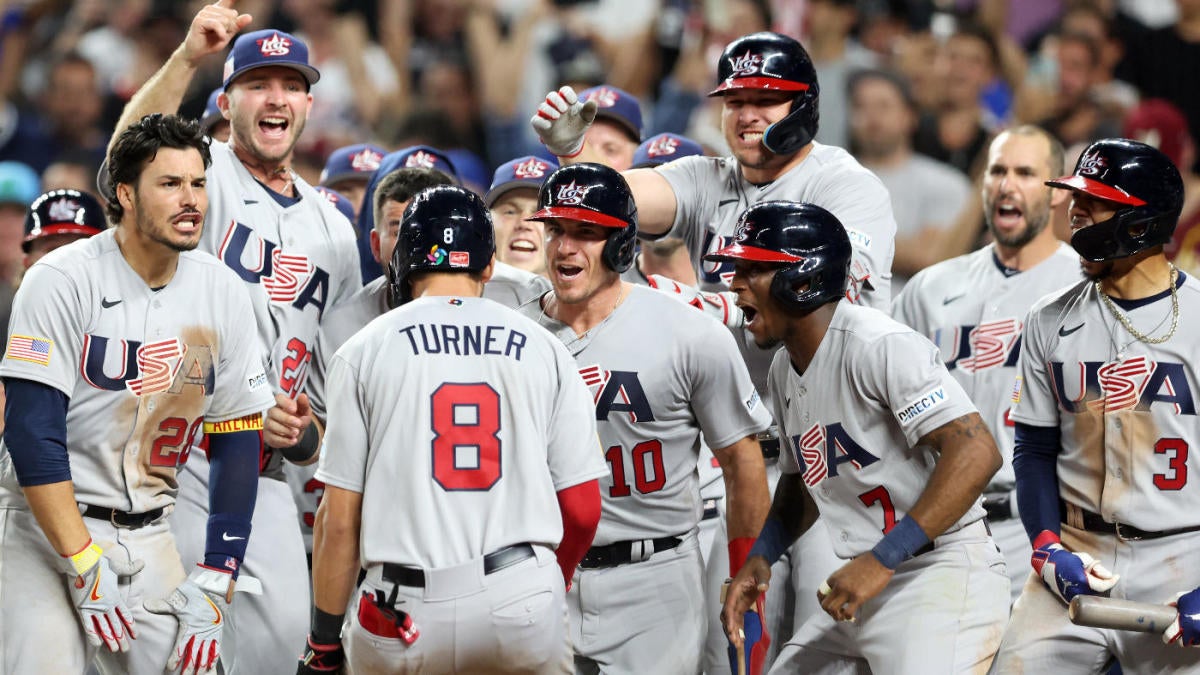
(63, 212)
(778, 63)
(444, 229)
(808, 242)
(1142, 181)
(596, 194)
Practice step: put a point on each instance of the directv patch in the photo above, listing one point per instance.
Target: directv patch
(752, 402)
(922, 405)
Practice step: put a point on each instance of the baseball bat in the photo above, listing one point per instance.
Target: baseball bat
(1142, 617)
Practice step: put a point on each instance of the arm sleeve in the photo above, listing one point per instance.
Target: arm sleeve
(724, 400)
(343, 460)
(580, 507)
(912, 383)
(1035, 461)
(35, 432)
(232, 493)
(573, 449)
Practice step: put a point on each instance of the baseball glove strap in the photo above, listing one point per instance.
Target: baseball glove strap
(1081, 518)
(129, 521)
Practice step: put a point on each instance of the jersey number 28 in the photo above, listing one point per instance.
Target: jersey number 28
(466, 448)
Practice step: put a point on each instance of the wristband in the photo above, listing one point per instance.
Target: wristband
(772, 541)
(739, 551)
(86, 558)
(305, 448)
(1046, 538)
(326, 628)
(225, 546)
(905, 539)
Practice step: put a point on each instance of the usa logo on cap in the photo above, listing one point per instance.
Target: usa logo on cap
(366, 160)
(746, 64)
(420, 159)
(531, 168)
(276, 45)
(572, 194)
(604, 97)
(665, 145)
(63, 210)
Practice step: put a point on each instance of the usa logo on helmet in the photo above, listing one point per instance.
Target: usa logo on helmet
(746, 64)
(420, 159)
(604, 97)
(366, 160)
(533, 168)
(663, 147)
(275, 45)
(63, 210)
(572, 194)
(1092, 164)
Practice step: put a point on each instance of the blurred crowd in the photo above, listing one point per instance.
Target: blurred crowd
(914, 88)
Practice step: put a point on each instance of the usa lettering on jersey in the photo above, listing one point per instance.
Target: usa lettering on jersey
(150, 368)
(1130, 384)
(287, 278)
(824, 448)
(617, 391)
(991, 344)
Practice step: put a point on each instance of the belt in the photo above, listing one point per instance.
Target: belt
(403, 575)
(131, 521)
(1082, 519)
(769, 444)
(622, 552)
(710, 509)
(998, 507)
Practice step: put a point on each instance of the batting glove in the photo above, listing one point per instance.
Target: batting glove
(1069, 574)
(756, 641)
(720, 306)
(321, 658)
(199, 604)
(562, 120)
(1185, 629)
(105, 617)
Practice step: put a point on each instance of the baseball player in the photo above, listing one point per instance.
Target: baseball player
(888, 442)
(635, 601)
(973, 307)
(617, 129)
(512, 198)
(122, 349)
(666, 256)
(1104, 416)
(349, 169)
(471, 576)
(57, 218)
(213, 123)
(295, 253)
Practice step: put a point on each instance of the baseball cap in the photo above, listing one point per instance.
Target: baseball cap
(340, 201)
(19, 184)
(63, 212)
(264, 48)
(212, 113)
(420, 157)
(618, 106)
(352, 161)
(664, 148)
(527, 171)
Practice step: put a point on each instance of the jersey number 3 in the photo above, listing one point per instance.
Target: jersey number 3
(466, 449)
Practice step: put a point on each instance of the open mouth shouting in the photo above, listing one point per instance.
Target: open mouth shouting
(273, 127)
(187, 222)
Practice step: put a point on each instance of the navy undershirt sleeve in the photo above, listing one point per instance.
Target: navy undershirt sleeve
(232, 492)
(35, 432)
(1035, 461)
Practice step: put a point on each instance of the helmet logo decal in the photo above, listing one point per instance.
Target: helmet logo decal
(662, 147)
(572, 194)
(275, 45)
(742, 231)
(366, 160)
(532, 168)
(460, 259)
(604, 97)
(63, 210)
(746, 64)
(1092, 164)
(420, 159)
(435, 255)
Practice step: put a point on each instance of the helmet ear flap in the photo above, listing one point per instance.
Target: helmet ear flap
(798, 128)
(620, 248)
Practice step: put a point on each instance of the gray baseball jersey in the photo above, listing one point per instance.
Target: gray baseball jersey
(468, 418)
(973, 309)
(652, 399)
(143, 369)
(877, 388)
(1125, 408)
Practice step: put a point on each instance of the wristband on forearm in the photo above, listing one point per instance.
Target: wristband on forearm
(772, 541)
(905, 539)
(306, 447)
(225, 547)
(326, 628)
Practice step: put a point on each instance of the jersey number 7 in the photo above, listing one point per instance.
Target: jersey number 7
(466, 448)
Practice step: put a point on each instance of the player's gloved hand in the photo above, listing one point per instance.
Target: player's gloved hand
(562, 120)
(1069, 574)
(721, 306)
(105, 617)
(1185, 629)
(321, 657)
(199, 604)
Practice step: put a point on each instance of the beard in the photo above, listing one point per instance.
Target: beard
(1098, 271)
(1034, 224)
(148, 231)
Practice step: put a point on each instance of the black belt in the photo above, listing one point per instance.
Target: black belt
(403, 575)
(998, 508)
(770, 447)
(622, 552)
(710, 509)
(131, 521)
(1083, 519)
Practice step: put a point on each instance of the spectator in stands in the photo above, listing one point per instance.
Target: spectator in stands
(836, 56)
(956, 133)
(1078, 118)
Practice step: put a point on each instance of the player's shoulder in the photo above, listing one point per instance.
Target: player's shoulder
(951, 274)
(1057, 305)
(669, 314)
(80, 255)
(1190, 286)
(828, 161)
(864, 327)
(513, 286)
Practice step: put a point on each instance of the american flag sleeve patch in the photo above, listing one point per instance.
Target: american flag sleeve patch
(33, 349)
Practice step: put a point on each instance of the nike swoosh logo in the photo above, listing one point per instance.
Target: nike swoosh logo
(96, 595)
(248, 202)
(106, 303)
(946, 301)
(225, 536)
(723, 202)
(1063, 331)
(215, 609)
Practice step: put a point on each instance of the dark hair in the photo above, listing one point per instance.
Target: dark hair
(139, 144)
(402, 185)
(1089, 44)
(970, 29)
(899, 82)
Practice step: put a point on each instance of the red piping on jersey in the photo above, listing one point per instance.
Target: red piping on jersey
(742, 252)
(576, 213)
(1096, 189)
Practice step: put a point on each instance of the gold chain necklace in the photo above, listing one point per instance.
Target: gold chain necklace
(1121, 317)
